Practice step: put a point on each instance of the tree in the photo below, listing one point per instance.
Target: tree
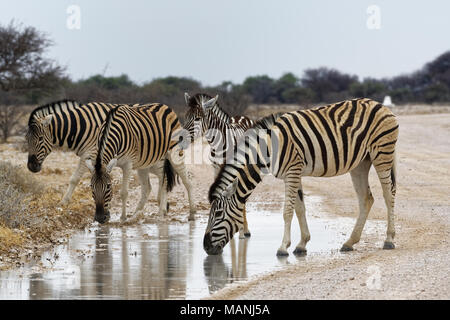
(232, 97)
(368, 88)
(288, 82)
(260, 88)
(24, 71)
(109, 83)
(299, 95)
(328, 84)
(22, 65)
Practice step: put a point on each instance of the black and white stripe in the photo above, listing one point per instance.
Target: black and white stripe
(205, 118)
(348, 136)
(72, 126)
(138, 137)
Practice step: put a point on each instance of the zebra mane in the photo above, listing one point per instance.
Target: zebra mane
(49, 108)
(103, 135)
(216, 184)
(262, 124)
(266, 122)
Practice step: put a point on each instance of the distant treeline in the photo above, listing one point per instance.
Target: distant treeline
(430, 84)
(27, 77)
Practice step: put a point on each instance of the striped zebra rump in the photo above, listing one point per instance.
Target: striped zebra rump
(66, 124)
(348, 136)
(333, 140)
(142, 134)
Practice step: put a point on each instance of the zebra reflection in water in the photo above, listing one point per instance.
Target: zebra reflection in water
(218, 273)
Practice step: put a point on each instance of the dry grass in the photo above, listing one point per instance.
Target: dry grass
(30, 214)
(16, 185)
(10, 239)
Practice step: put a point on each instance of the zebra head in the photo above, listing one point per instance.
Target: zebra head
(101, 189)
(198, 105)
(225, 219)
(39, 140)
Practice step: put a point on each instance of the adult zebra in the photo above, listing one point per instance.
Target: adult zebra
(75, 127)
(140, 137)
(348, 136)
(205, 118)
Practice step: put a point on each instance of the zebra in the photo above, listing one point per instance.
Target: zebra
(205, 118)
(348, 136)
(139, 137)
(75, 127)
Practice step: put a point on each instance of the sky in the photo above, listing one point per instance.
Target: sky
(214, 41)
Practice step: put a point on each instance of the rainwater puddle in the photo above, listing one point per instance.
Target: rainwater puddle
(166, 260)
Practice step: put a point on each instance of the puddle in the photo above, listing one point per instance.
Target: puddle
(167, 261)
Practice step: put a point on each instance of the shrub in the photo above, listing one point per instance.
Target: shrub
(16, 184)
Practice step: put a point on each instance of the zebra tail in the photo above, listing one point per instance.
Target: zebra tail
(169, 175)
(394, 170)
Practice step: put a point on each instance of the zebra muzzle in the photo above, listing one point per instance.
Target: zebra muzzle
(101, 215)
(208, 247)
(33, 164)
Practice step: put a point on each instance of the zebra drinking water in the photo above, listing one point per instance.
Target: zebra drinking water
(139, 137)
(73, 126)
(205, 118)
(348, 136)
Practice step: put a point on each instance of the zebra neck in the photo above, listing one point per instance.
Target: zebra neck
(220, 115)
(108, 148)
(59, 131)
(219, 130)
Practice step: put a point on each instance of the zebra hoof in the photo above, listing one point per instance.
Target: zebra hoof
(282, 253)
(346, 248)
(300, 251)
(388, 245)
(191, 217)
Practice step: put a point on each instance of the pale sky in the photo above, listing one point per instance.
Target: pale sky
(212, 41)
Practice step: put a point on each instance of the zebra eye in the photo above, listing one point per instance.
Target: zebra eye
(218, 212)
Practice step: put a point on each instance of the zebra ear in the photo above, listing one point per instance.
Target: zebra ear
(231, 189)
(46, 120)
(111, 165)
(89, 165)
(210, 103)
(186, 98)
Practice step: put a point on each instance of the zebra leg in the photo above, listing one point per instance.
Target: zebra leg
(146, 187)
(360, 179)
(388, 179)
(300, 211)
(291, 187)
(177, 161)
(162, 193)
(74, 180)
(126, 171)
(244, 232)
